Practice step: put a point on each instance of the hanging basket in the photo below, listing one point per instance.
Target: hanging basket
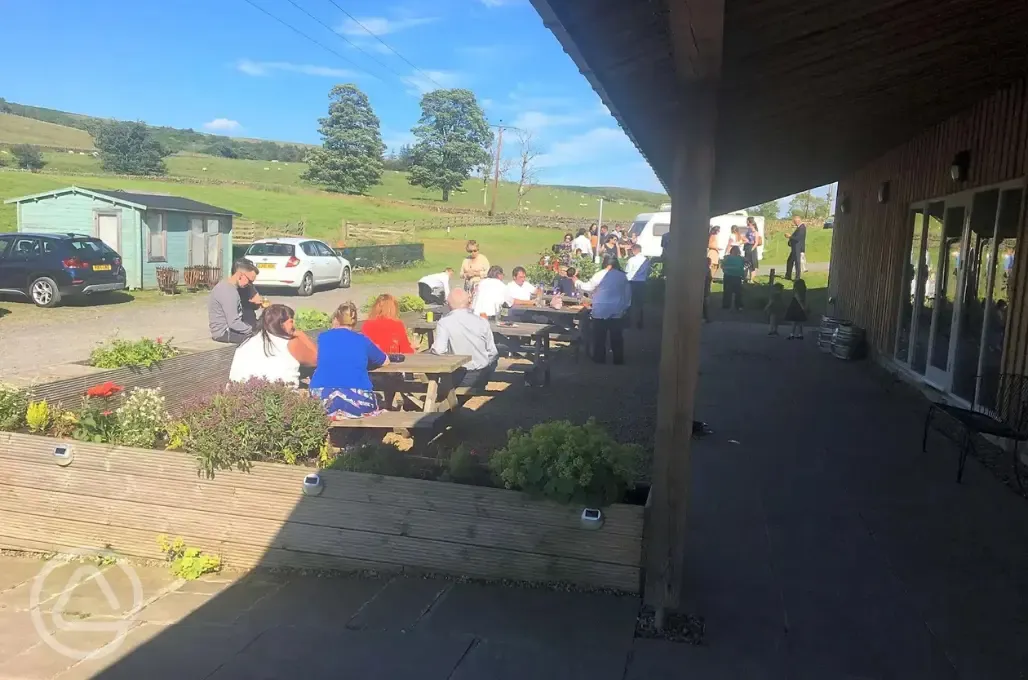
(167, 280)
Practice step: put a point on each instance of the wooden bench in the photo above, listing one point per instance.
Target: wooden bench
(397, 421)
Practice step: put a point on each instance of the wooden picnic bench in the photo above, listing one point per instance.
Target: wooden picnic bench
(570, 324)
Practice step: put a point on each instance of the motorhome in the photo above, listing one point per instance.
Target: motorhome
(650, 227)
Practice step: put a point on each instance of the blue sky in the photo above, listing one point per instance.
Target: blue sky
(223, 66)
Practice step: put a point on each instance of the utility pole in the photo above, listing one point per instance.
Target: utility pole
(496, 170)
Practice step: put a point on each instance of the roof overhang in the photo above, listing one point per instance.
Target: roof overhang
(74, 190)
(808, 92)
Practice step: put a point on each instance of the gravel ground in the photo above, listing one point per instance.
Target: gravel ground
(32, 339)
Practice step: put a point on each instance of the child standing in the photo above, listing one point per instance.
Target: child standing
(774, 308)
(708, 279)
(797, 311)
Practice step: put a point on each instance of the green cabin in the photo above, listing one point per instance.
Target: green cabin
(147, 230)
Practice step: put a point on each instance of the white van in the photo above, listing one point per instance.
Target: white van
(650, 227)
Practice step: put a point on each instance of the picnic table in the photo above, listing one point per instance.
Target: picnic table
(434, 372)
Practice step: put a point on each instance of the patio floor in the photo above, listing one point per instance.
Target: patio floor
(823, 544)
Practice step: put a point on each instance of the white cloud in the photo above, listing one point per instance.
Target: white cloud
(537, 120)
(222, 125)
(595, 145)
(267, 68)
(380, 25)
(426, 80)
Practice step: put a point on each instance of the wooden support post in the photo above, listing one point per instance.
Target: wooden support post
(680, 349)
(771, 278)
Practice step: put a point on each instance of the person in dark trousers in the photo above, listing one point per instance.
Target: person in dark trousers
(638, 271)
(225, 313)
(796, 312)
(610, 298)
(733, 270)
(797, 247)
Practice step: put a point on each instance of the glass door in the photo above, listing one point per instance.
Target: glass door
(950, 259)
(924, 299)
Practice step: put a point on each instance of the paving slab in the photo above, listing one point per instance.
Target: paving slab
(220, 606)
(18, 633)
(400, 605)
(534, 615)
(119, 589)
(313, 601)
(663, 660)
(320, 654)
(53, 578)
(18, 570)
(62, 650)
(498, 660)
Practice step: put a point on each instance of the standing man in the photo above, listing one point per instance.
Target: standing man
(225, 304)
(637, 271)
(583, 243)
(435, 288)
(797, 248)
(610, 299)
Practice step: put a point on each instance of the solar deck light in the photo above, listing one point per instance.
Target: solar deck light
(63, 454)
(312, 485)
(592, 518)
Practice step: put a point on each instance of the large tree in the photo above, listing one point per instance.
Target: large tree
(129, 149)
(807, 206)
(350, 159)
(452, 138)
(769, 210)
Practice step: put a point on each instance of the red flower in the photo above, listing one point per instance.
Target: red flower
(107, 413)
(158, 340)
(104, 391)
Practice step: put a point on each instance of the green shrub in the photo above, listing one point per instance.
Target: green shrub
(462, 466)
(142, 418)
(311, 319)
(13, 404)
(37, 416)
(143, 352)
(253, 421)
(567, 463)
(411, 303)
(657, 269)
(375, 458)
(96, 420)
(187, 563)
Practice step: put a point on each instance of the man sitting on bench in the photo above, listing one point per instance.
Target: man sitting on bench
(464, 332)
(435, 288)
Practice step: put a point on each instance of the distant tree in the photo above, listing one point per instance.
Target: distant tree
(399, 160)
(527, 153)
(807, 206)
(129, 149)
(350, 159)
(223, 149)
(28, 157)
(4, 106)
(769, 210)
(452, 138)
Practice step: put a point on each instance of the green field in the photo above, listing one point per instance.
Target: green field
(19, 130)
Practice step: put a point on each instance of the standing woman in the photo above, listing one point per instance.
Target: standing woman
(753, 240)
(610, 299)
(475, 266)
(341, 380)
(713, 247)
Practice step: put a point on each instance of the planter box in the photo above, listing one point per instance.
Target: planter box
(120, 499)
(179, 378)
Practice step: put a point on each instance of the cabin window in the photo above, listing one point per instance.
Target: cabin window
(157, 236)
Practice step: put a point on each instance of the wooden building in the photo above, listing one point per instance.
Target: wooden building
(919, 108)
(147, 230)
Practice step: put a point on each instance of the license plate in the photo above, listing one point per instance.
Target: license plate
(266, 265)
(101, 267)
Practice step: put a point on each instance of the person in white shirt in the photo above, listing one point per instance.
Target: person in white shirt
(435, 288)
(520, 289)
(492, 294)
(610, 299)
(583, 243)
(637, 270)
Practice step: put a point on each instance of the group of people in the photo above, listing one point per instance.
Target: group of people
(595, 242)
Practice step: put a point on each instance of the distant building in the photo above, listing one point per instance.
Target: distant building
(147, 230)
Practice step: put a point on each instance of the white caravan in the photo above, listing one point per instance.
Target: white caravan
(650, 227)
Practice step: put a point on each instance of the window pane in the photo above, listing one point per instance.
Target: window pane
(997, 311)
(213, 225)
(912, 292)
(26, 248)
(280, 249)
(5, 244)
(925, 304)
(661, 228)
(155, 228)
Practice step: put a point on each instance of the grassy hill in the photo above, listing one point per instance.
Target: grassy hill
(20, 130)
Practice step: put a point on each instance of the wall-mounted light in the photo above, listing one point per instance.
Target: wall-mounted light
(958, 169)
(883, 192)
(844, 204)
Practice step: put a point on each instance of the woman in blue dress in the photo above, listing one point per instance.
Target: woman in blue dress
(341, 380)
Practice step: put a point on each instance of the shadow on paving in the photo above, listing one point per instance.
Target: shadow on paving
(823, 544)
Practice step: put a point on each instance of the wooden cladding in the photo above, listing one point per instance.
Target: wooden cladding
(871, 241)
(120, 498)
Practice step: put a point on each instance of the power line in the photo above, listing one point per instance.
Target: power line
(348, 41)
(387, 45)
(307, 37)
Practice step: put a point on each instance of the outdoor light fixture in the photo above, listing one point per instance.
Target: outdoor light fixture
(592, 519)
(312, 485)
(958, 169)
(883, 192)
(63, 454)
(844, 204)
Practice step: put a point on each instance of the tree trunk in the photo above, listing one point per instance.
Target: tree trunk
(446, 195)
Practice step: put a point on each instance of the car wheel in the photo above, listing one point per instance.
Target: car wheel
(344, 280)
(307, 285)
(44, 292)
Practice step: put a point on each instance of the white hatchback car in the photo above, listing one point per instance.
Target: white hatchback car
(300, 263)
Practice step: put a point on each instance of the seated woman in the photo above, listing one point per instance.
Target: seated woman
(384, 327)
(341, 380)
(276, 352)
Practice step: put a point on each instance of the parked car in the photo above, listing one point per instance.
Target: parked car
(299, 263)
(650, 227)
(48, 268)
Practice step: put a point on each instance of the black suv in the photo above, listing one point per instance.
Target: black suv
(49, 267)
